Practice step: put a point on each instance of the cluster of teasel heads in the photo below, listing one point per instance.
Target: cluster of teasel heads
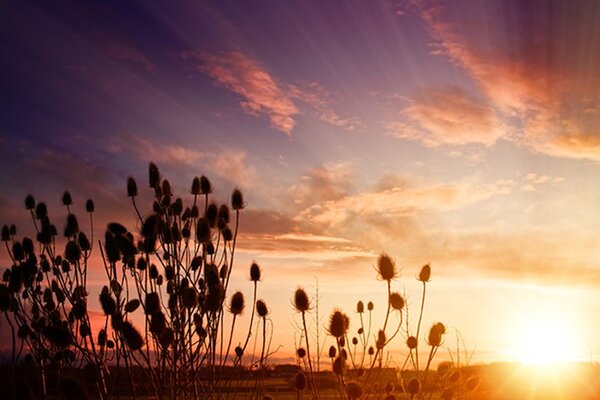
(357, 361)
(165, 301)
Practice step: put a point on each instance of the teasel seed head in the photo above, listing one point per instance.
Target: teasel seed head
(29, 202)
(447, 394)
(381, 340)
(195, 190)
(237, 200)
(386, 268)
(89, 206)
(371, 350)
(109, 306)
(224, 213)
(338, 324)
(353, 390)
(205, 185)
(239, 352)
(301, 300)
(153, 176)
(189, 297)
(261, 308)
(132, 337)
(152, 303)
(41, 211)
(413, 387)
(132, 190)
(332, 351)
(360, 307)
(455, 376)
(338, 366)
(435, 334)
(300, 382)
(301, 352)
(237, 304)
(203, 231)
(370, 306)
(355, 341)
(412, 342)
(425, 273)
(396, 301)
(255, 272)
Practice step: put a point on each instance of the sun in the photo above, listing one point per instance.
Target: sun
(546, 338)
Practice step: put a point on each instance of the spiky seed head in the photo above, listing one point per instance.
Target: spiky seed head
(338, 366)
(132, 190)
(237, 200)
(84, 242)
(342, 341)
(371, 350)
(132, 305)
(152, 303)
(239, 352)
(79, 309)
(386, 268)
(301, 352)
(261, 308)
(166, 188)
(338, 324)
(195, 190)
(455, 376)
(72, 252)
(472, 383)
(396, 301)
(223, 271)
(425, 273)
(189, 297)
(205, 185)
(435, 334)
(29, 202)
(447, 394)
(237, 305)
(413, 387)
(109, 306)
(332, 351)
(370, 306)
(153, 176)
(227, 234)
(132, 337)
(301, 300)
(13, 229)
(41, 211)
(211, 214)
(5, 233)
(224, 213)
(353, 390)
(203, 231)
(255, 272)
(300, 382)
(412, 342)
(360, 307)
(89, 206)
(360, 331)
(381, 340)
(354, 340)
(66, 199)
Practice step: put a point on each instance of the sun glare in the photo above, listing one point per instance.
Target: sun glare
(546, 339)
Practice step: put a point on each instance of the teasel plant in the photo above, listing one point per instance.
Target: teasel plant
(44, 297)
(176, 268)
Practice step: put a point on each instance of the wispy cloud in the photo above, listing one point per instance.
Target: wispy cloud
(123, 51)
(259, 91)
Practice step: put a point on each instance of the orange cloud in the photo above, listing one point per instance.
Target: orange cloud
(448, 116)
(260, 93)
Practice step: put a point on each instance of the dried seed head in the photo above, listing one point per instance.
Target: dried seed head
(332, 351)
(396, 301)
(205, 185)
(132, 190)
(338, 366)
(381, 340)
(255, 272)
(5, 233)
(338, 324)
(132, 305)
(29, 202)
(189, 297)
(360, 331)
(300, 382)
(447, 394)
(153, 176)
(353, 390)
(66, 199)
(360, 307)
(236, 307)
(195, 190)
(41, 211)
(370, 306)
(239, 352)
(224, 213)
(455, 376)
(152, 303)
(72, 252)
(261, 308)
(386, 268)
(131, 335)
(166, 188)
(435, 334)
(203, 231)
(301, 352)
(413, 387)
(84, 242)
(371, 350)
(425, 273)
(237, 200)
(301, 301)
(354, 341)
(211, 214)
(109, 306)
(412, 342)
(89, 206)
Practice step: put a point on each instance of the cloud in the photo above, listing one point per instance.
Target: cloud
(447, 116)
(528, 72)
(327, 182)
(260, 93)
(123, 51)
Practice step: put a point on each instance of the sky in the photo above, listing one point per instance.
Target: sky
(464, 134)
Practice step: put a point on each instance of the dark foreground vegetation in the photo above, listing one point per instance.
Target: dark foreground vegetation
(169, 316)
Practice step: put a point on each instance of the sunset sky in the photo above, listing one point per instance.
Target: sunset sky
(465, 134)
